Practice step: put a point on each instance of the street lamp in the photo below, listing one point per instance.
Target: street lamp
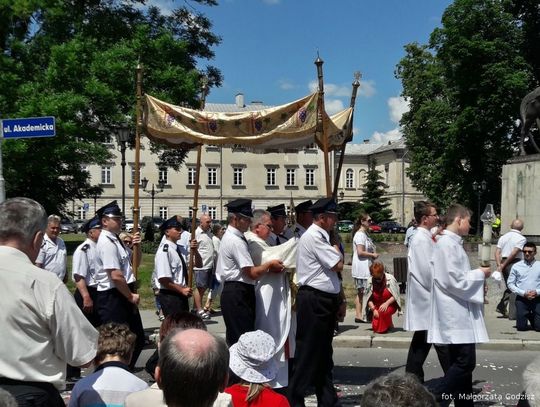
(341, 195)
(153, 191)
(95, 192)
(479, 188)
(122, 137)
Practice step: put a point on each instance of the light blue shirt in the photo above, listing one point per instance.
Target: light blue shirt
(524, 277)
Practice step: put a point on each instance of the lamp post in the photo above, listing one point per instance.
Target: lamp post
(341, 195)
(95, 192)
(479, 188)
(153, 192)
(122, 137)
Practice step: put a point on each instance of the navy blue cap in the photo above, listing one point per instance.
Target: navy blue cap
(303, 207)
(241, 206)
(324, 205)
(94, 223)
(278, 210)
(171, 223)
(112, 210)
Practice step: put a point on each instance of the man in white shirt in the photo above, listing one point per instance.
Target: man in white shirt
(318, 302)
(278, 216)
(507, 253)
(419, 282)
(42, 328)
(53, 255)
(203, 274)
(457, 304)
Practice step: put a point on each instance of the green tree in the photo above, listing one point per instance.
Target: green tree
(76, 60)
(373, 199)
(464, 90)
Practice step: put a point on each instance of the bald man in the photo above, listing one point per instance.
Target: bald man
(203, 274)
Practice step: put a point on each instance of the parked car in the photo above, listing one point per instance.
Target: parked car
(345, 226)
(374, 228)
(79, 223)
(390, 226)
(128, 225)
(67, 226)
(156, 220)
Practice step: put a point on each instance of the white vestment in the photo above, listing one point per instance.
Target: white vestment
(457, 307)
(419, 281)
(273, 313)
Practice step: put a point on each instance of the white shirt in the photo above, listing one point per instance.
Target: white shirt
(85, 262)
(167, 263)
(419, 281)
(233, 257)
(183, 244)
(53, 256)
(315, 259)
(510, 240)
(206, 249)
(112, 255)
(360, 265)
(457, 305)
(42, 327)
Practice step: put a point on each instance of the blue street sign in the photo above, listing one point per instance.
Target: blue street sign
(204, 208)
(29, 127)
(86, 206)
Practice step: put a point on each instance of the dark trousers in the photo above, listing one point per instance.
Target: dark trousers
(503, 303)
(457, 382)
(32, 394)
(418, 352)
(172, 302)
(114, 307)
(527, 310)
(238, 309)
(313, 363)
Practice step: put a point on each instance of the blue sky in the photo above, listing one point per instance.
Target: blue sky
(269, 46)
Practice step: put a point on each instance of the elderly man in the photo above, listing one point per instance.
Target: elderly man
(318, 303)
(239, 275)
(203, 274)
(524, 280)
(304, 219)
(507, 253)
(53, 255)
(42, 328)
(279, 222)
(193, 368)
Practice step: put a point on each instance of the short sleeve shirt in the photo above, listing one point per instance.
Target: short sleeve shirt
(85, 262)
(53, 256)
(167, 264)
(510, 240)
(112, 255)
(206, 249)
(360, 265)
(233, 257)
(315, 259)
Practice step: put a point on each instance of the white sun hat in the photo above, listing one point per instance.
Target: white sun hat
(251, 358)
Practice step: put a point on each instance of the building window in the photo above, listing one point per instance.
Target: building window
(81, 213)
(106, 175)
(164, 177)
(190, 213)
(212, 176)
(310, 177)
(133, 175)
(164, 212)
(238, 175)
(212, 212)
(191, 176)
(271, 176)
(291, 177)
(349, 178)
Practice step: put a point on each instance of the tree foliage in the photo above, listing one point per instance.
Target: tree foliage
(464, 89)
(76, 60)
(373, 199)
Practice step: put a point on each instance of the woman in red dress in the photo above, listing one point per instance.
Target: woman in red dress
(383, 298)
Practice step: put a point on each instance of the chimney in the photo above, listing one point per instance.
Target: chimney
(239, 98)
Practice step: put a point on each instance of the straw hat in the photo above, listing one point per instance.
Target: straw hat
(251, 358)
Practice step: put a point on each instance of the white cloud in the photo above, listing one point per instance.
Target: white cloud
(391, 135)
(397, 105)
(331, 89)
(333, 106)
(367, 89)
(285, 84)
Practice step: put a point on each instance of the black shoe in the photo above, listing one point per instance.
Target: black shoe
(502, 311)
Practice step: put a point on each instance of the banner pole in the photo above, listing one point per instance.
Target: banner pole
(138, 130)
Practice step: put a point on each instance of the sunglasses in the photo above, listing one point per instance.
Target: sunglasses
(128, 241)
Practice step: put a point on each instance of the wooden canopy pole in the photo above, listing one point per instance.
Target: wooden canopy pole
(355, 86)
(138, 130)
(321, 127)
(195, 207)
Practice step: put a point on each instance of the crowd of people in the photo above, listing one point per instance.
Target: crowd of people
(281, 298)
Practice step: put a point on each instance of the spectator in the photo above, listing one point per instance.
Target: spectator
(53, 255)
(383, 300)
(524, 281)
(531, 380)
(33, 359)
(215, 290)
(203, 274)
(252, 360)
(193, 368)
(409, 233)
(397, 390)
(111, 382)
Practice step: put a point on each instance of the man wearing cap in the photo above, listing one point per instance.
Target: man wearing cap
(53, 254)
(318, 302)
(117, 300)
(171, 269)
(236, 270)
(304, 219)
(279, 221)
